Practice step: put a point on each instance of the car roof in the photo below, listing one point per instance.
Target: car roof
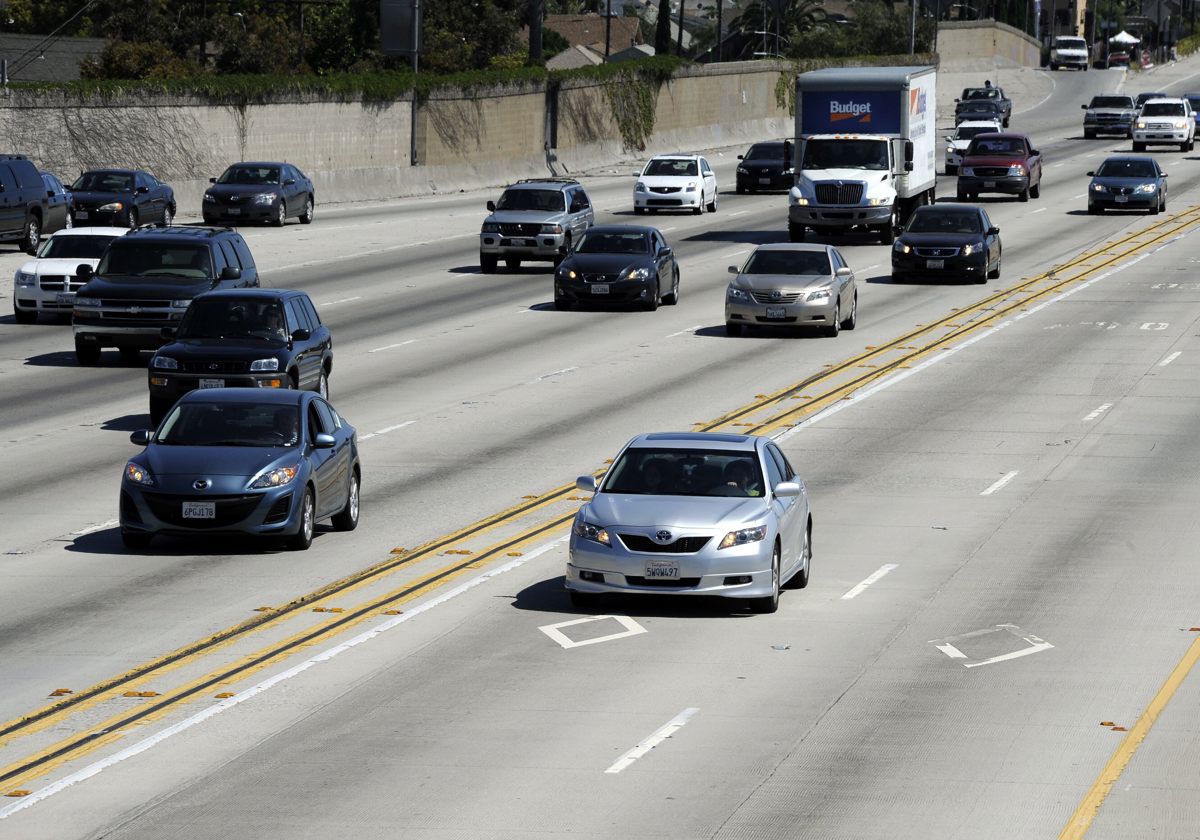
(978, 124)
(695, 440)
(180, 233)
(258, 163)
(677, 155)
(111, 169)
(1008, 135)
(646, 229)
(234, 396)
(542, 183)
(945, 205)
(1138, 158)
(252, 294)
(811, 247)
(97, 230)
(1168, 99)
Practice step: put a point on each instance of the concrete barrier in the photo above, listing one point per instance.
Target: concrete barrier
(974, 40)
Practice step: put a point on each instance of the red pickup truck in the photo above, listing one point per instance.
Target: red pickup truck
(1001, 163)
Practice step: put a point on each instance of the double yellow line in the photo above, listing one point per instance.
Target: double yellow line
(764, 414)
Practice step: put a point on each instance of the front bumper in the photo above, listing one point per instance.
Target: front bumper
(817, 216)
(1121, 127)
(612, 291)
(752, 181)
(800, 313)
(173, 385)
(89, 216)
(594, 568)
(1175, 135)
(915, 265)
(531, 246)
(248, 212)
(155, 510)
(1133, 201)
(667, 201)
(1008, 184)
(144, 336)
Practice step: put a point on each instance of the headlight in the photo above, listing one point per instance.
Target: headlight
(789, 171)
(819, 294)
(970, 249)
(878, 202)
(1016, 169)
(968, 171)
(1181, 124)
(949, 150)
(691, 187)
(588, 531)
(744, 536)
(87, 301)
(734, 293)
(798, 200)
(1141, 124)
(209, 198)
(115, 207)
(1146, 188)
(639, 187)
(25, 279)
(741, 170)
(490, 227)
(552, 229)
(638, 274)
(138, 474)
(164, 363)
(277, 477)
(259, 365)
(264, 198)
(901, 248)
(182, 303)
(1099, 188)
(568, 273)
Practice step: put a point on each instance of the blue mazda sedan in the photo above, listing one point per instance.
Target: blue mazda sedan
(242, 461)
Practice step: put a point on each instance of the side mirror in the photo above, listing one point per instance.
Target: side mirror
(1091, 174)
(289, 181)
(664, 251)
(844, 271)
(733, 269)
(586, 483)
(230, 272)
(993, 231)
(324, 441)
(491, 206)
(142, 190)
(1084, 107)
(1163, 174)
(741, 157)
(166, 333)
(83, 272)
(49, 193)
(949, 138)
(141, 437)
(212, 180)
(908, 166)
(301, 335)
(787, 490)
(1034, 153)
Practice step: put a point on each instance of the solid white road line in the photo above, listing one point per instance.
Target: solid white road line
(343, 300)
(1081, 195)
(875, 576)
(91, 529)
(688, 331)
(388, 429)
(659, 735)
(1098, 412)
(1007, 478)
(545, 376)
(324, 656)
(1040, 210)
(394, 346)
(1170, 359)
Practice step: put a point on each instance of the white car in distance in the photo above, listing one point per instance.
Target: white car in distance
(48, 283)
(676, 182)
(957, 142)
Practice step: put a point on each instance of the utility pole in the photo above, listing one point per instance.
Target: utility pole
(912, 35)
(721, 4)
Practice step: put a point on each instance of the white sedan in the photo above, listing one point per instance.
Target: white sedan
(676, 182)
(957, 142)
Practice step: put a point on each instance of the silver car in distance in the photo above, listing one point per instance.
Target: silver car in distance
(693, 513)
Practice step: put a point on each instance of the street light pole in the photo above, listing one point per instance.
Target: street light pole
(912, 35)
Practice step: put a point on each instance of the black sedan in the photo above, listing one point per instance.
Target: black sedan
(1128, 182)
(242, 461)
(766, 166)
(618, 264)
(978, 109)
(260, 192)
(126, 197)
(942, 240)
(60, 209)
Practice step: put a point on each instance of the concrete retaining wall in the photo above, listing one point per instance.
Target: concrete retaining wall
(972, 40)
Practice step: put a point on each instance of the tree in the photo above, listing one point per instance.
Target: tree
(787, 18)
(662, 28)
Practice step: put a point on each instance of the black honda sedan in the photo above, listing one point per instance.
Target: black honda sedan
(618, 264)
(127, 197)
(766, 166)
(948, 240)
(260, 192)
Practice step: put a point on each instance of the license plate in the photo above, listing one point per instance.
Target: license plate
(935, 263)
(764, 180)
(233, 211)
(64, 297)
(1121, 199)
(776, 312)
(599, 288)
(662, 570)
(81, 214)
(989, 184)
(199, 510)
(212, 383)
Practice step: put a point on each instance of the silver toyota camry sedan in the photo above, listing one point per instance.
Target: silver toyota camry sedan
(796, 285)
(693, 513)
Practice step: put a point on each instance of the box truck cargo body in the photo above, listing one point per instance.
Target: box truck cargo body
(865, 149)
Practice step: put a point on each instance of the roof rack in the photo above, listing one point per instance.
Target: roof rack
(185, 230)
(549, 179)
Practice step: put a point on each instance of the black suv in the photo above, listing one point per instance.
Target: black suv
(23, 202)
(145, 281)
(242, 338)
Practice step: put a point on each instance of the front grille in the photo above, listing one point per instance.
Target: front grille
(775, 297)
(1121, 190)
(991, 171)
(1110, 118)
(839, 193)
(683, 545)
(118, 303)
(681, 583)
(216, 367)
(936, 252)
(279, 511)
(522, 228)
(230, 509)
(60, 283)
(599, 278)
(665, 190)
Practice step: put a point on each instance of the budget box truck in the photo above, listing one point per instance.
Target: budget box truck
(865, 149)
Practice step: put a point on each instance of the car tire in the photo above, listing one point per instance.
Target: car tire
(168, 216)
(346, 519)
(130, 356)
(24, 316)
(86, 355)
(566, 249)
(951, 169)
(133, 218)
(1035, 191)
(562, 304)
(512, 263)
(159, 406)
(800, 579)
(673, 297)
(1095, 211)
(961, 195)
(309, 208)
(1023, 195)
(1089, 134)
(280, 215)
(487, 263)
(1139, 147)
(1156, 209)
(769, 603)
(733, 329)
(31, 236)
(887, 231)
(698, 210)
(852, 321)
(323, 385)
(797, 233)
(655, 299)
(302, 539)
(835, 326)
(994, 274)
(712, 205)
(638, 211)
(740, 190)
(136, 540)
(583, 600)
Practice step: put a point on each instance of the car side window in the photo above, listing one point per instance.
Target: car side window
(7, 181)
(704, 166)
(231, 257)
(139, 181)
(310, 310)
(315, 423)
(296, 318)
(328, 417)
(243, 253)
(785, 469)
(774, 474)
(219, 262)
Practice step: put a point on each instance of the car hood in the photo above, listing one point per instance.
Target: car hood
(797, 282)
(849, 175)
(143, 287)
(924, 240)
(1112, 110)
(670, 180)
(1122, 182)
(526, 217)
(1070, 51)
(690, 512)
(221, 348)
(90, 197)
(242, 189)
(56, 267)
(605, 263)
(994, 160)
(166, 460)
(960, 145)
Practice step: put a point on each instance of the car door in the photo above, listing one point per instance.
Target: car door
(796, 516)
(844, 283)
(163, 195)
(249, 269)
(12, 209)
(710, 180)
(306, 361)
(991, 240)
(1034, 162)
(56, 208)
(323, 461)
(582, 213)
(1161, 179)
(322, 338)
(341, 454)
(143, 200)
(295, 190)
(229, 254)
(662, 263)
(783, 510)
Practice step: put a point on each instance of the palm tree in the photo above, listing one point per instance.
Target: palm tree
(782, 20)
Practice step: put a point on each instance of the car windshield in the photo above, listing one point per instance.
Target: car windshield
(1143, 97)
(649, 471)
(770, 261)
(74, 247)
(983, 93)
(250, 175)
(231, 424)
(551, 201)
(943, 221)
(224, 318)
(846, 154)
(152, 259)
(1126, 169)
(996, 146)
(1163, 109)
(767, 151)
(604, 242)
(668, 167)
(1112, 102)
(1070, 44)
(104, 182)
(966, 132)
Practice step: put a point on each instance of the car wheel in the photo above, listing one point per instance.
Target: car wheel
(302, 539)
(800, 579)
(1023, 195)
(796, 233)
(32, 236)
(769, 603)
(887, 231)
(852, 321)
(136, 539)
(24, 316)
(961, 195)
(280, 215)
(637, 211)
(168, 216)
(739, 189)
(712, 205)
(133, 218)
(651, 305)
(309, 208)
(994, 274)
(1036, 190)
(1093, 210)
(487, 263)
(566, 248)
(951, 169)
(835, 325)
(130, 355)
(698, 210)
(159, 406)
(86, 355)
(562, 304)
(583, 600)
(323, 385)
(347, 518)
(512, 263)
(673, 297)
(733, 329)
(1089, 134)
(1139, 147)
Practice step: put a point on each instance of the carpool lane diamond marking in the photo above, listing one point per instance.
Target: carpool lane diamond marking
(554, 631)
(949, 647)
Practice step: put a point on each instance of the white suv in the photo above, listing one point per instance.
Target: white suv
(676, 182)
(1164, 122)
(49, 283)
